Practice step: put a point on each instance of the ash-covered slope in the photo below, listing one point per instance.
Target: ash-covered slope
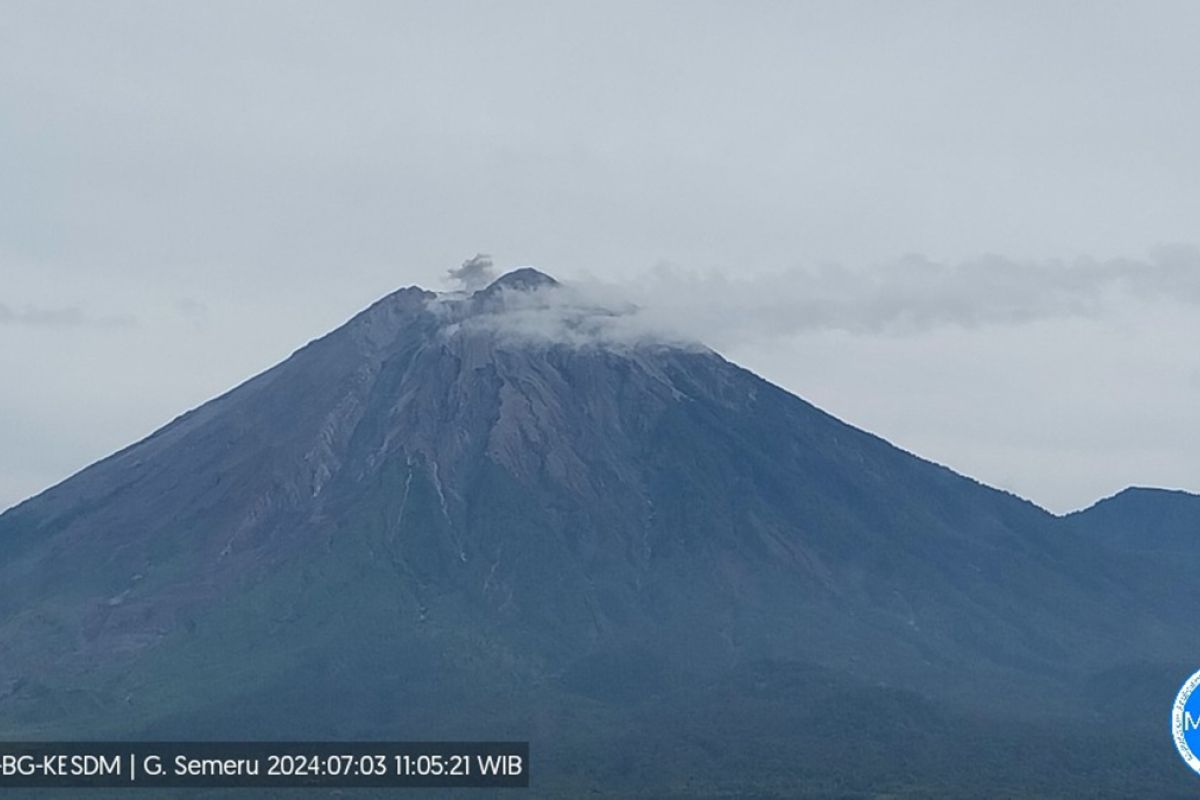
(503, 514)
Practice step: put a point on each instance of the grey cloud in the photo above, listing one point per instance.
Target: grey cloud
(192, 311)
(578, 315)
(912, 295)
(191, 308)
(67, 317)
(475, 272)
(906, 297)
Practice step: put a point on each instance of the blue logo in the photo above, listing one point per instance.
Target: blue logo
(1185, 722)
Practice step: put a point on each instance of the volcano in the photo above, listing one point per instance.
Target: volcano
(515, 514)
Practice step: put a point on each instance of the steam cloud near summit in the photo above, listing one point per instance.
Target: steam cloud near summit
(475, 273)
(909, 296)
(915, 294)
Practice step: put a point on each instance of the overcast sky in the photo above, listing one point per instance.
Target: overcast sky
(967, 227)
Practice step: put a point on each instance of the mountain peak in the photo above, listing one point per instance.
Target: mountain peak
(523, 279)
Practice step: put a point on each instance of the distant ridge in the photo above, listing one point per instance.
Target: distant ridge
(1141, 518)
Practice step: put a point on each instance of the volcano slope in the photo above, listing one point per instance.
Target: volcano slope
(509, 515)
